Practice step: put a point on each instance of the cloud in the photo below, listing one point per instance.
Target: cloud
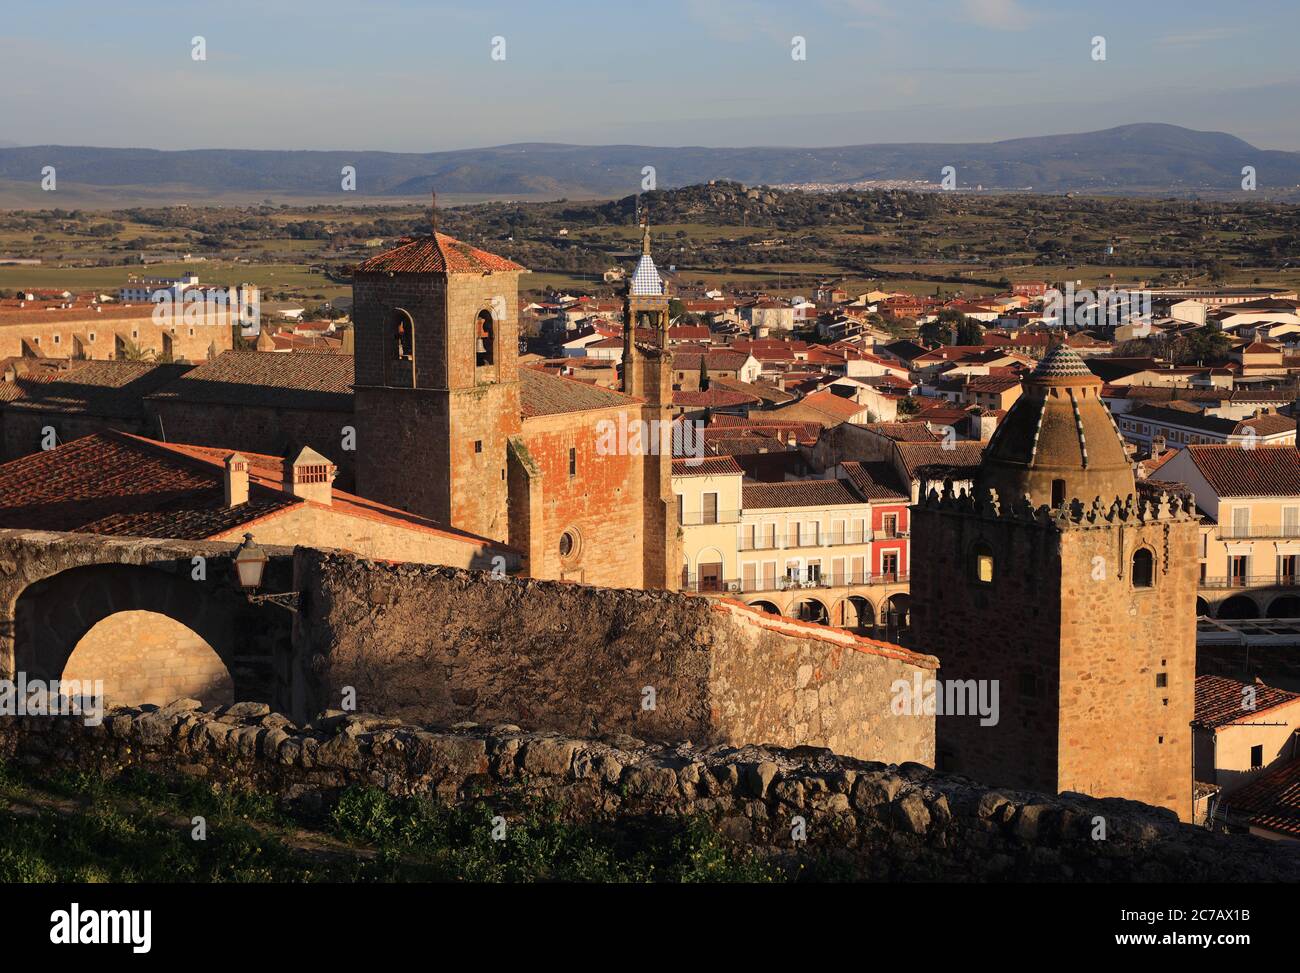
(996, 14)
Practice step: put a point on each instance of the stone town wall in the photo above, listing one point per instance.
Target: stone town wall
(443, 645)
(881, 822)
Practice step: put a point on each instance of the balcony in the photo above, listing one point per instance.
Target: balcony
(1229, 532)
(782, 583)
(786, 542)
(1253, 581)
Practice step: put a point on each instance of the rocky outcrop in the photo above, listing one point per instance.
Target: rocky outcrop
(882, 822)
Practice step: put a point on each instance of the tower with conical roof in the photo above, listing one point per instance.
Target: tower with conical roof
(1058, 592)
(647, 369)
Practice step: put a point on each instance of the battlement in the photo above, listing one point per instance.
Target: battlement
(1074, 515)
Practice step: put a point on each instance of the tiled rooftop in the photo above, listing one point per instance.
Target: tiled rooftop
(1265, 471)
(435, 254)
(875, 481)
(1219, 701)
(95, 388)
(544, 394)
(300, 380)
(798, 493)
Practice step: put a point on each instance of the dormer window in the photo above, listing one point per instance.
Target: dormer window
(485, 337)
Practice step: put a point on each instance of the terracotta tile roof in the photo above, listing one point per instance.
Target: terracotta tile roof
(1270, 801)
(798, 493)
(1265, 471)
(707, 466)
(113, 389)
(435, 254)
(301, 380)
(115, 483)
(110, 483)
(544, 394)
(1268, 425)
(907, 432)
(77, 316)
(1219, 701)
(767, 393)
(716, 398)
(746, 443)
(875, 481)
(961, 459)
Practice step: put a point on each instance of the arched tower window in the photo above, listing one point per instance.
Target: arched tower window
(485, 337)
(403, 336)
(1143, 568)
(982, 563)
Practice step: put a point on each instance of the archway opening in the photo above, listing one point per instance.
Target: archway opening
(1202, 608)
(1287, 606)
(812, 610)
(765, 606)
(1239, 606)
(857, 613)
(897, 617)
(146, 657)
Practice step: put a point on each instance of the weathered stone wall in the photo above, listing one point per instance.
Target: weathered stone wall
(442, 645)
(881, 822)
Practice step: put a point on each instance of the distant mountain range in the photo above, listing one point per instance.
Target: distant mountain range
(1133, 159)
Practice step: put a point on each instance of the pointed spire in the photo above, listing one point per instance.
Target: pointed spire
(645, 236)
(433, 212)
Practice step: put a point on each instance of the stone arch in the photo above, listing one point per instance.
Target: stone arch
(1284, 606)
(145, 657)
(855, 612)
(403, 330)
(52, 616)
(766, 606)
(1202, 608)
(1239, 606)
(485, 330)
(896, 615)
(811, 610)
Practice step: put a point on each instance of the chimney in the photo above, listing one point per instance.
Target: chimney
(310, 477)
(236, 480)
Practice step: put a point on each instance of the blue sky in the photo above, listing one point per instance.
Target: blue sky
(418, 76)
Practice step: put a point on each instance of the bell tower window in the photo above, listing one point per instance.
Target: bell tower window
(403, 336)
(485, 339)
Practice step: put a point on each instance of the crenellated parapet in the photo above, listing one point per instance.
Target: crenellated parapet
(1131, 510)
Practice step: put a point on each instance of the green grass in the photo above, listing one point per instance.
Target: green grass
(138, 828)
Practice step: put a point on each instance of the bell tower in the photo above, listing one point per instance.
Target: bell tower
(647, 374)
(437, 380)
(1068, 596)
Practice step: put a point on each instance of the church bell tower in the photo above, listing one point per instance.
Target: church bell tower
(437, 380)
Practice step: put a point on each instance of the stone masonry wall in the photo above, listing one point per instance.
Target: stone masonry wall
(440, 644)
(881, 822)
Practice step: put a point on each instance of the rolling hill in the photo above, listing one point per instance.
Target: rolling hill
(1136, 159)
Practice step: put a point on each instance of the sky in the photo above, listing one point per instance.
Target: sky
(401, 75)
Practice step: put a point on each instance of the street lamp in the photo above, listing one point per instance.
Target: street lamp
(250, 565)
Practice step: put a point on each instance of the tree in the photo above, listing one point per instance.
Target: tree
(908, 406)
